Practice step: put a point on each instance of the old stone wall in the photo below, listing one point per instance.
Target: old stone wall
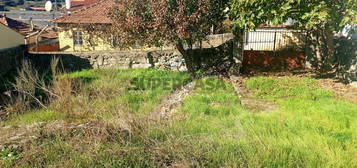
(161, 59)
(9, 59)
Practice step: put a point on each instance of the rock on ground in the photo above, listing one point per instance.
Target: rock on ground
(246, 96)
(172, 102)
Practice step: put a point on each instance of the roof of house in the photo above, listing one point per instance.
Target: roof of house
(49, 34)
(77, 4)
(93, 13)
(20, 27)
(81, 3)
(25, 29)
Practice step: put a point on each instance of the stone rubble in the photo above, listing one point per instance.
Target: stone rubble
(172, 102)
(246, 97)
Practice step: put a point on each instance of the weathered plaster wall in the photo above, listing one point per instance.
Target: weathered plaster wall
(90, 42)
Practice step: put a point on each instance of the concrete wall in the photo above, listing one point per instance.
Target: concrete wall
(9, 38)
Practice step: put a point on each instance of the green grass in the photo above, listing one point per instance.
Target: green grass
(105, 94)
(34, 116)
(120, 88)
(311, 127)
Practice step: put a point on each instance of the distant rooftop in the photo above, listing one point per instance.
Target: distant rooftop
(20, 27)
(92, 13)
(24, 28)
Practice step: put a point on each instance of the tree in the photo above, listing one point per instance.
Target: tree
(321, 18)
(181, 23)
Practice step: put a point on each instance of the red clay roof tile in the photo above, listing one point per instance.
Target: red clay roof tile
(94, 13)
(20, 27)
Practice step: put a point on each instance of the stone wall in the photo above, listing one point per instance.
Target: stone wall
(161, 59)
(9, 59)
(165, 59)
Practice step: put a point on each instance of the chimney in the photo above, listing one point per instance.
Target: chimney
(68, 4)
(31, 23)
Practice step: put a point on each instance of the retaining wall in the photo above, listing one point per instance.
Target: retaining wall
(10, 58)
(161, 59)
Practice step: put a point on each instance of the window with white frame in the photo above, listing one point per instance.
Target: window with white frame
(78, 38)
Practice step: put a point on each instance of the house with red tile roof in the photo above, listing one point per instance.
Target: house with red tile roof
(76, 4)
(72, 35)
(20, 33)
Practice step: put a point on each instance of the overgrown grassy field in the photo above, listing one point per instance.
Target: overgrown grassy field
(311, 127)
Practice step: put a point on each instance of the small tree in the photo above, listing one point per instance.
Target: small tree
(321, 18)
(181, 23)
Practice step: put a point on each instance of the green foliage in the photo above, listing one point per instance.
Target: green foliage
(336, 14)
(321, 18)
(179, 23)
(8, 156)
(34, 116)
(249, 14)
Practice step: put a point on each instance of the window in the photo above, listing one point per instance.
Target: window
(78, 38)
(115, 41)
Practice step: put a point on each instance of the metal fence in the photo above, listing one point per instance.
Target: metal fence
(274, 39)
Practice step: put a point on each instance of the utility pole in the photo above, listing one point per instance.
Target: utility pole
(56, 9)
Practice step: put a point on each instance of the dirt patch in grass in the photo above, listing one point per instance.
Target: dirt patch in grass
(247, 98)
(341, 90)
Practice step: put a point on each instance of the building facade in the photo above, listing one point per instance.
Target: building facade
(73, 35)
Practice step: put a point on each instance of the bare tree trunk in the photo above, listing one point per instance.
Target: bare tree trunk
(237, 54)
(189, 61)
(329, 48)
(323, 48)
